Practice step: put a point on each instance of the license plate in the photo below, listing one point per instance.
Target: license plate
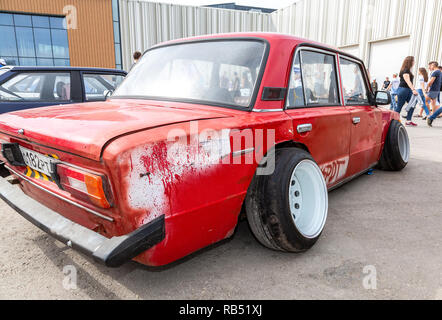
(37, 161)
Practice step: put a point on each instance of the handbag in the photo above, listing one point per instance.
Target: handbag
(414, 101)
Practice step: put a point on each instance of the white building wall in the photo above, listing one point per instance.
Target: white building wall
(144, 24)
(351, 25)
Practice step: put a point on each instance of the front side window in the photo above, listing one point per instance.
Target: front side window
(353, 83)
(319, 78)
(97, 86)
(221, 72)
(35, 86)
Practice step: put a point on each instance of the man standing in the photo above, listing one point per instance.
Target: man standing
(374, 85)
(386, 83)
(394, 85)
(433, 91)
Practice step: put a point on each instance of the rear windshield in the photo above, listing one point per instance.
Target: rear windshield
(211, 72)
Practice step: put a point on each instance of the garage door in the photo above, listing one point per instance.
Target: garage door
(353, 50)
(386, 57)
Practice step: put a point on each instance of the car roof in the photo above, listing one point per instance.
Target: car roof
(19, 68)
(270, 37)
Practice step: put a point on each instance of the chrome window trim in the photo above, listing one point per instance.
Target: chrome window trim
(267, 110)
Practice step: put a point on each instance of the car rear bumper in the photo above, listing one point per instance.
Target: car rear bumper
(112, 252)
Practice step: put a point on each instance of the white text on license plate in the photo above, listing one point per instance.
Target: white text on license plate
(37, 161)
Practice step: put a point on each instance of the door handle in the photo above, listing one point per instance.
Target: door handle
(306, 127)
(356, 120)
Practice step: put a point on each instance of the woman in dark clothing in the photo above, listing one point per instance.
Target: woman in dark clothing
(406, 89)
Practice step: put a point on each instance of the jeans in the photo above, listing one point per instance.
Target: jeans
(393, 101)
(436, 114)
(404, 95)
(421, 93)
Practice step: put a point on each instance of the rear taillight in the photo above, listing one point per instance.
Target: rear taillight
(85, 185)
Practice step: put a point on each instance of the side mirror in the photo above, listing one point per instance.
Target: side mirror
(382, 98)
(108, 93)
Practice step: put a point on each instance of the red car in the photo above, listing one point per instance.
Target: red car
(200, 131)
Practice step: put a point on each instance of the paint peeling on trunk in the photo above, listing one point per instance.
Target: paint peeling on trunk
(157, 170)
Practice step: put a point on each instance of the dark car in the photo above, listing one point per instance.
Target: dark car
(33, 87)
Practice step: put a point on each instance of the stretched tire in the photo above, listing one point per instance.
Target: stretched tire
(287, 210)
(396, 151)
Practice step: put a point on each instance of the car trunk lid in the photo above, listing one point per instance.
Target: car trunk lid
(84, 129)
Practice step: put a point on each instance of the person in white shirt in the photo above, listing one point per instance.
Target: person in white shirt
(394, 85)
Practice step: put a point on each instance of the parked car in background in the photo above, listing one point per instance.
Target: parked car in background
(192, 138)
(33, 87)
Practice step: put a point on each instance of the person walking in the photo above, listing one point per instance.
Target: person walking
(434, 85)
(406, 89)
(434, 88)
(422, 86)
(394, 86)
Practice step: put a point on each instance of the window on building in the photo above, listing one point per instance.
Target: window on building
(353, 83)
(34, 40)
(117, 40)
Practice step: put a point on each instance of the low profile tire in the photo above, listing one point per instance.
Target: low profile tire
(396, 151)
(287, 210)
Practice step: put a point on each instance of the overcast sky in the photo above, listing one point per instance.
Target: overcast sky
(274, 4)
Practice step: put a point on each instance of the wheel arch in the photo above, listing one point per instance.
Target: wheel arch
(292, 144)
(278, 145)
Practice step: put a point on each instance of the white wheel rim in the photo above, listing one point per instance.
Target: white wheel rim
(404, 144)
(308, 199)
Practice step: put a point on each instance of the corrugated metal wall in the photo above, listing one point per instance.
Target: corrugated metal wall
(341, 23)
(144, 24)
(344, 23)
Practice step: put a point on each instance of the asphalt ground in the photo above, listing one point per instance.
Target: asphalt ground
(382, 240)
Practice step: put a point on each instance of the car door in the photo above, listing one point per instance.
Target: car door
(320, 120)
(30, 89)
(366, 119)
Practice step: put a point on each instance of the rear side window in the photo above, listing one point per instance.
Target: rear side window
(97, 86)
(319, 78)
(313, 80)
(36, 86)
(353, 83)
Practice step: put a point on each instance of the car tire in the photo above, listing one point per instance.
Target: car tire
(287, 210)
(396, 151)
